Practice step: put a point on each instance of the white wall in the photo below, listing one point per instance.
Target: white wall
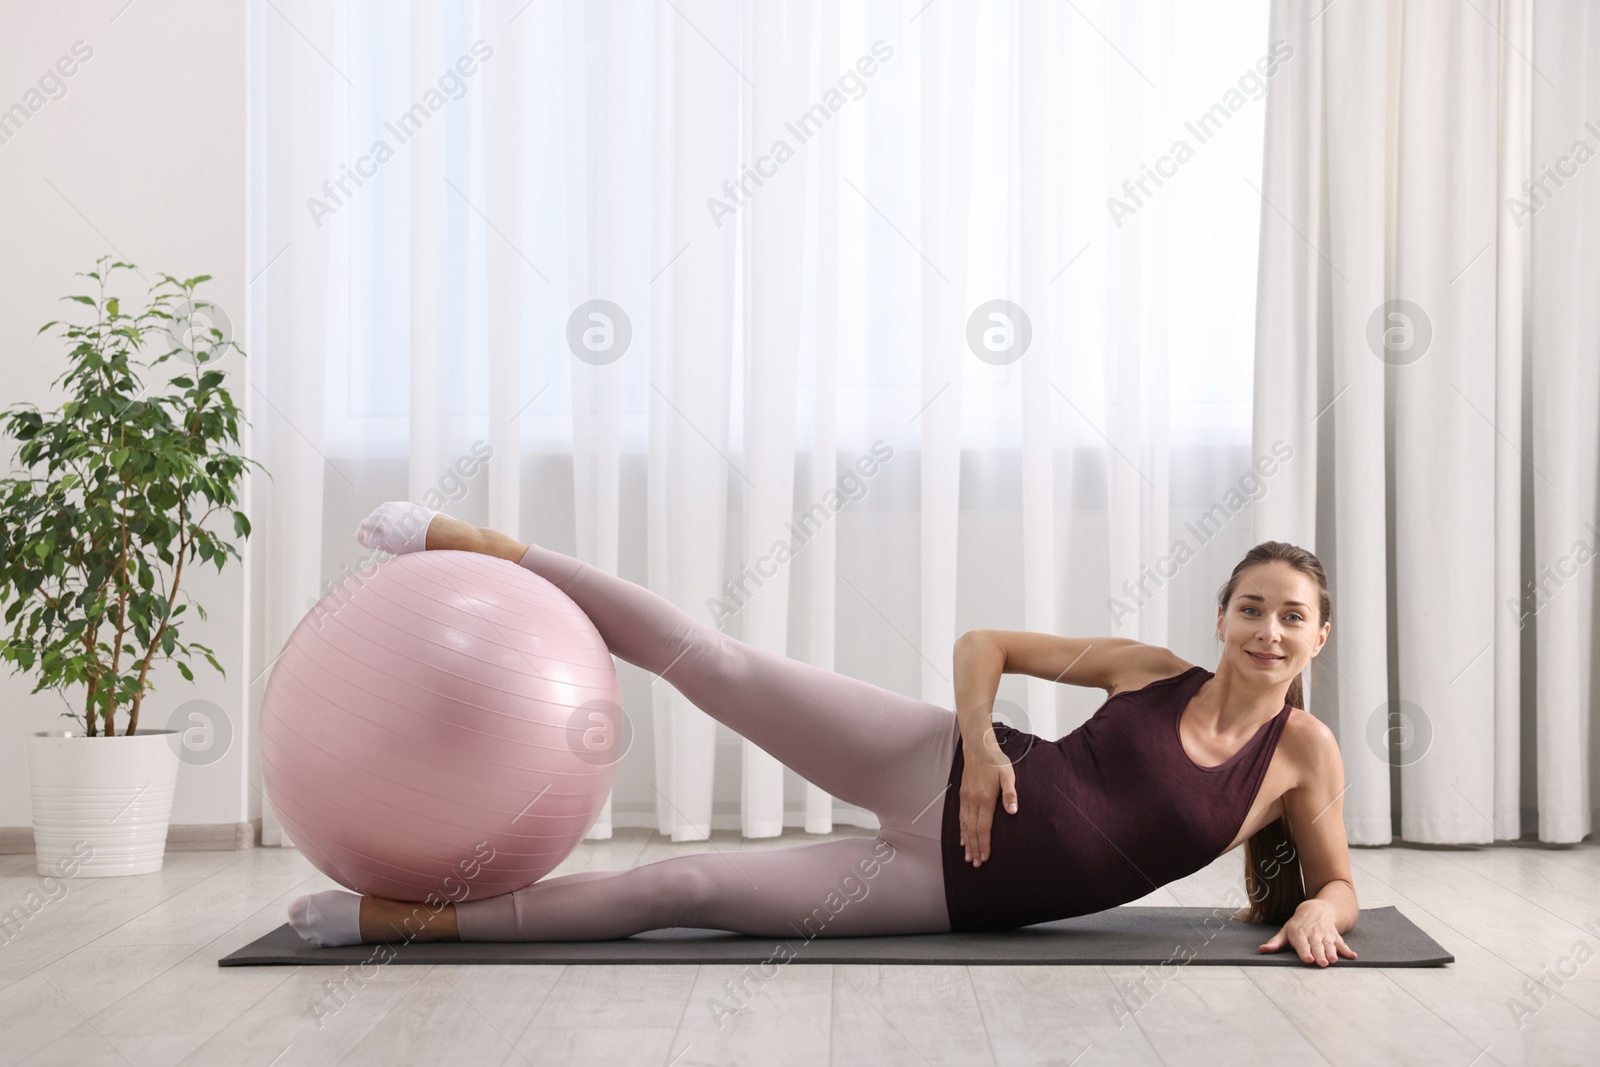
(142, 156)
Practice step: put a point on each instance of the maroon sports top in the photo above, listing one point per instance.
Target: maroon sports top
(1106, 814)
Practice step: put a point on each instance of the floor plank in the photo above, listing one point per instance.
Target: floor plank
(769, 1014)
(889, 1013)
(1053, 1015)
(1360, 1017)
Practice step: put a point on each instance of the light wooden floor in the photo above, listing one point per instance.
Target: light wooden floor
(123, 971)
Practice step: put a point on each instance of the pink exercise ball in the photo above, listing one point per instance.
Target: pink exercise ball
(441, 727)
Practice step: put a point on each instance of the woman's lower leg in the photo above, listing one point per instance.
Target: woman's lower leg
(401, 920)
(891, 884)
(494, 543)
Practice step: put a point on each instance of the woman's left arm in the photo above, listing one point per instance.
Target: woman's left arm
(1315, 812)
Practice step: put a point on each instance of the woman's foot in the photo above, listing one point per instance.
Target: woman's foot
(327, 919)
(334, 917)
(400, 526)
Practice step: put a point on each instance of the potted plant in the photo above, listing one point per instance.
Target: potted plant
(111, 498)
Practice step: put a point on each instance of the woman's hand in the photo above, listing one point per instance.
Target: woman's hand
(1312, 933)
(986, 776)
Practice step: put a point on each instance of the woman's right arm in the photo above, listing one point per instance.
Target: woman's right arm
(987, 773)
(982, 656)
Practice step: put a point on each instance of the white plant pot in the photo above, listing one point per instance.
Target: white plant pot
(103, 802)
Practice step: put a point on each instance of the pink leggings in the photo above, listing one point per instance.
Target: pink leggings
(867, 746)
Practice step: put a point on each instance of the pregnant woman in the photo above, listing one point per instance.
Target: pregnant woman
(1177, 767)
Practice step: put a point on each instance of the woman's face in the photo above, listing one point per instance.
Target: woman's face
(1269, 628)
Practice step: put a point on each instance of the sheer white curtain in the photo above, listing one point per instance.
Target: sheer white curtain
(1428, 340)
(845, 327)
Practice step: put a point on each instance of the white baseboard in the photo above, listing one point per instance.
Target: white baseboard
(181, 837)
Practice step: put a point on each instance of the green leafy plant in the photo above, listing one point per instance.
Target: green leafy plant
(112, 496)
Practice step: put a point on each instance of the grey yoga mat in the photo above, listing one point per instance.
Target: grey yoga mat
(1126, 935)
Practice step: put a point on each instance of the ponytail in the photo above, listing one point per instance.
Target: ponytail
(1273, 879)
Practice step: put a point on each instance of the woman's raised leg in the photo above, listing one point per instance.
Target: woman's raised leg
(864, 744)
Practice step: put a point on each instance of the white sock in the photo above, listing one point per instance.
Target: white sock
(396, 527)
(331, 917)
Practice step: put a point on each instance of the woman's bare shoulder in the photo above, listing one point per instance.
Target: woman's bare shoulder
(1306, 729)
(1311, 746)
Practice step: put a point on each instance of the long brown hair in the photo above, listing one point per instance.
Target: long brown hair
(1272, 876)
